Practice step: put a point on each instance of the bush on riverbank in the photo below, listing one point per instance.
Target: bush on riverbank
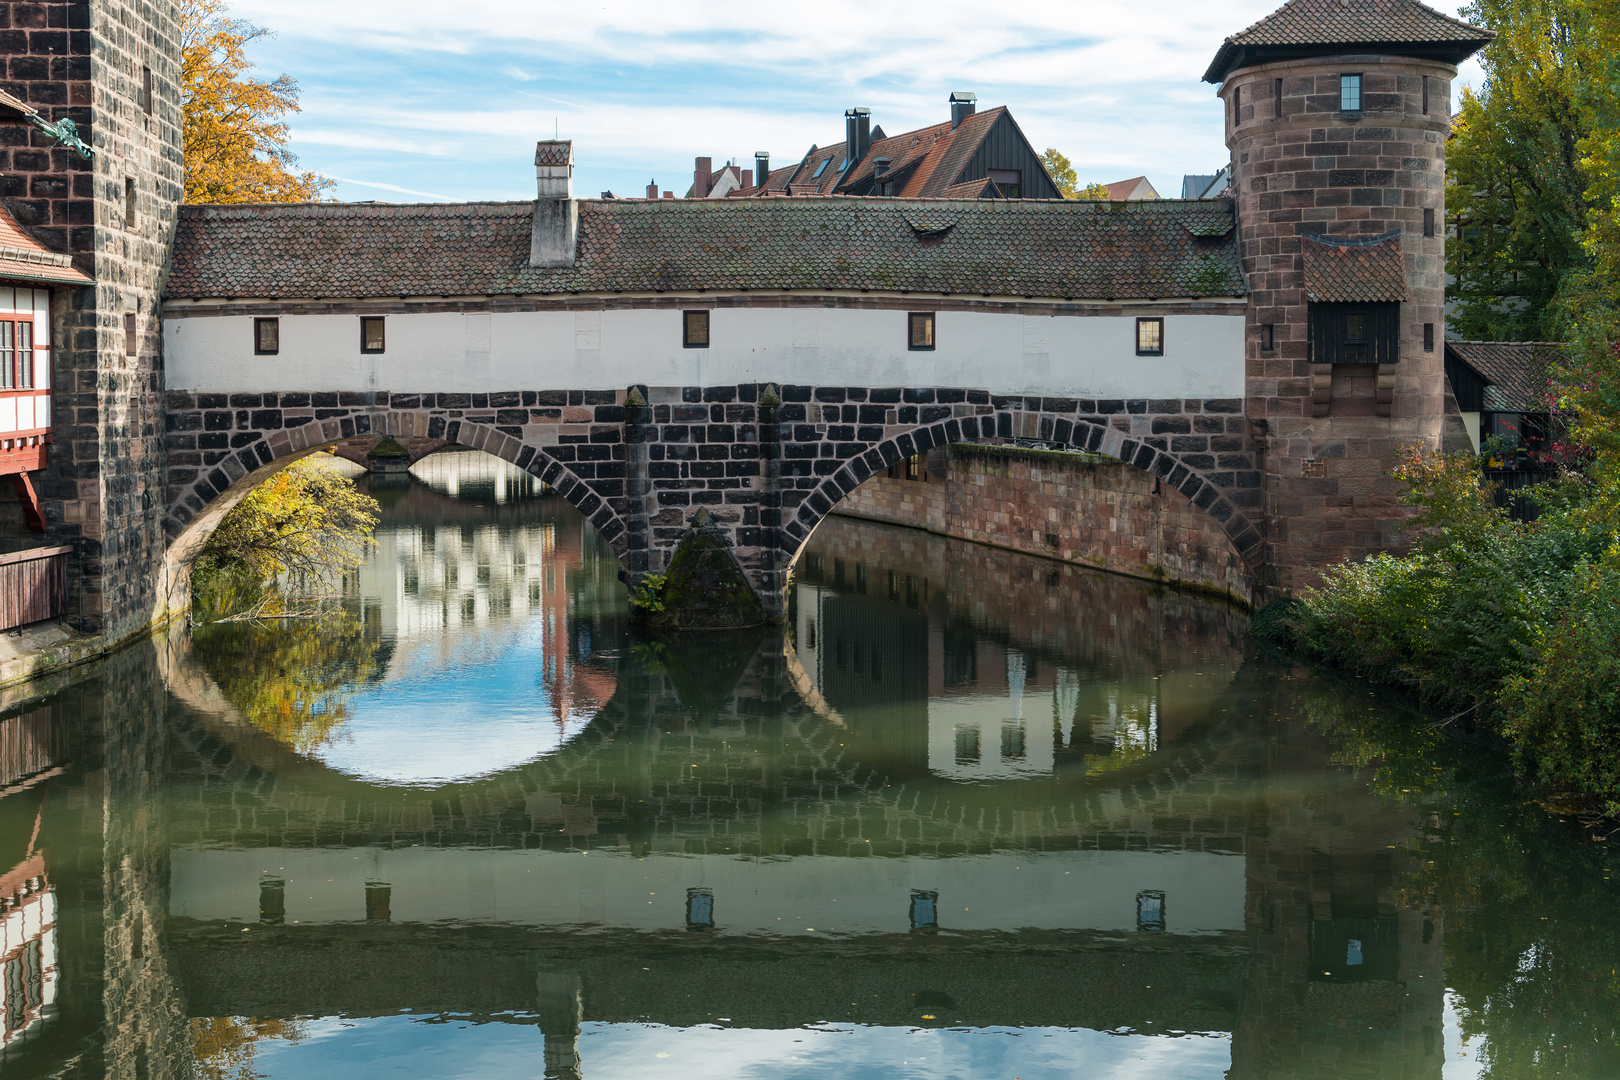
(296, 532)
(1514, 625)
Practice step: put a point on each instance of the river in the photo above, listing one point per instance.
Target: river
(970, 814)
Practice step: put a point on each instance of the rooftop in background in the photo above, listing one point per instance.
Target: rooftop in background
(1518, 373)
(1051, 249)
(1136, 189)
(972, 155)
(1304, 28)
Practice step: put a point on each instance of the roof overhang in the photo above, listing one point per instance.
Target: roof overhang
(1234, 57)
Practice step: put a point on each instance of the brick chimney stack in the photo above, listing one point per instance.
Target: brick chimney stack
(702, 177)
(652, 189)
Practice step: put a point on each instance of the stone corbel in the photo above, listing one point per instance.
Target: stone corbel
(1384, 399)
(1321, 389)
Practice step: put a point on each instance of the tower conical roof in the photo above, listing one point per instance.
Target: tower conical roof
(1321, 27)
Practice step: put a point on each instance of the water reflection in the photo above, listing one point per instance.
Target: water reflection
(1063, 823)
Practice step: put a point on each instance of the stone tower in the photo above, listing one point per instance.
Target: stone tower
(113, 68)
(1337, 113)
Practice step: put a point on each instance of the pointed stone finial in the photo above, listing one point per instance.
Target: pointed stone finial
(701, 519)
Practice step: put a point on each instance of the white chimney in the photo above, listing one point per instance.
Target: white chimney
(556, 215)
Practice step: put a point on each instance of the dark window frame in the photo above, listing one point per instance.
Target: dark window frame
(1428, 221)
(382, 334)
(1150, 911)
(1012, 190)
(1345, 92)
(148, 91)
(688, 319)
(1268, 337)
(18, 354)
(274, 322)
(931, 319)
(130, 213)
(1141, 322)
(914, 467)
(1277, 98)
(132, 334)
(1428, 337)
(1425, 95)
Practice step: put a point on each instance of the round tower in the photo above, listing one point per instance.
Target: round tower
(1337, 113)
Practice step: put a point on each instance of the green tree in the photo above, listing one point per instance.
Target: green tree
(1061, 170)
(308, 521)
(1516, 187)
(234, 126)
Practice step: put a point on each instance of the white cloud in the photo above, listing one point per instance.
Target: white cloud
(1113, 83)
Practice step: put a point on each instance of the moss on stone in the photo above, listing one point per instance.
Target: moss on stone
(705, 589)
(389, 447)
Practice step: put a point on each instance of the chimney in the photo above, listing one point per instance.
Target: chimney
(963, 105)
(652, 189)
(762, 167)
(555, 231)
(745, 177)
(702, 177)
(669, 194)
(857, 132)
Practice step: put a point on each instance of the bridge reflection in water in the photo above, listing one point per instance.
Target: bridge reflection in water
(967, 795)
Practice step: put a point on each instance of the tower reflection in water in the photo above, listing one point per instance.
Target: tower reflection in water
(972, 815)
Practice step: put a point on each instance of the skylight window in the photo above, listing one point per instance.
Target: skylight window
(821, 169)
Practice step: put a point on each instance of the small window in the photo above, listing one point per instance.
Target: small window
(1237, 105)
(1428, 221)
(1428, 337)
(1150, 337)
(1350, 93)
(267, 337)
(1355, 327)
(967, 745)
(695, 329)
(129, 203)
(821, 169)
(699, 909)
(132, 334)
(1268, 337)
(1425, 95)
(272, 901)
(371, 334)
(924, 910)
(920, 335)
(914, 467)
(8, 353)
(25, 355)
(1012, 740)
(147, 92)
(1276, 97)
(1150, 910)
(1009, 181)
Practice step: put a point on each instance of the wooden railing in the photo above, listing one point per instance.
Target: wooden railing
(33, 586)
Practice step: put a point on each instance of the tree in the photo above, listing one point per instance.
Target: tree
(235, 132)
(1061, 170)
(308, 520)
(1515, 185)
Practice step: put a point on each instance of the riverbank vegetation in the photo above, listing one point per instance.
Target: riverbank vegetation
(288, 540)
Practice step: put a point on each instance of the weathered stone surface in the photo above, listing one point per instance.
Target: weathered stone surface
(704, 588)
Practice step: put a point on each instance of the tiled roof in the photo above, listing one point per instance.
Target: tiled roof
(1305, 27)
(22, 258)
(1132, 190)
(1047, 248)
(1351, 271)
(1518, 371)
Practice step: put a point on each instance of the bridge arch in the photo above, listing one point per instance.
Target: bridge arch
(1219, 493)
(200, 495)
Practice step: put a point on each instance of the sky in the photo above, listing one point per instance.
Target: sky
(418, 101)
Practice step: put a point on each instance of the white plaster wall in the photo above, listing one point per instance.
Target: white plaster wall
(1068, 356)
(1005, 891)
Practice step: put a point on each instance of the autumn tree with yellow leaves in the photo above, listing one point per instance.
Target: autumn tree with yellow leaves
(235, 125)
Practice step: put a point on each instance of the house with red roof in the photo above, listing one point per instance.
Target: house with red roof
(973, 155)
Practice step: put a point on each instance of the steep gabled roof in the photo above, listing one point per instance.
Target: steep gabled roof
(1001, 247)
(1320, 27)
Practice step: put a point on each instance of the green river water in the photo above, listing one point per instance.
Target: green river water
(970, 814)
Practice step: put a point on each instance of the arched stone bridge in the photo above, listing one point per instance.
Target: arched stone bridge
(767, 472)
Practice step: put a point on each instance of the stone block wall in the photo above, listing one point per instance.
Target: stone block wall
(102, 490)
(766, 473)
(1300, 165)
(1094, 511)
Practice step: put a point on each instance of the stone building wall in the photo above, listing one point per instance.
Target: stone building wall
(102, 490)
(1078, 508)
(1331, 432)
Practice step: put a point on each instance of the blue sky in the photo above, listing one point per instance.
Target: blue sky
(411, 101)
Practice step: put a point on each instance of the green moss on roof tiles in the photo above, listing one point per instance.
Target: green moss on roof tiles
(1057, 248)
